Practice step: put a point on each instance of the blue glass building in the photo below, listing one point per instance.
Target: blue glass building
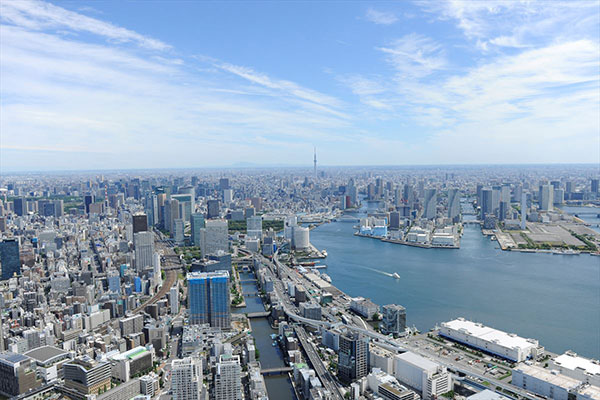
(9, 258)
(208, 298)
(138, 284)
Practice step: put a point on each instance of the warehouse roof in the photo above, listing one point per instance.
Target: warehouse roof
(486, 333)
(572, 361)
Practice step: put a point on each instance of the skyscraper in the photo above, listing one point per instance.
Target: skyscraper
(254, 226)
(594, 185)
(197, 224)
(140, 223)
(486, 203)
(186, 379)
(9, 258)
(143, 244)
(178, 231)
(87, 200)
(208, 298)
(227, 379)
(430, 204)
(19, 206)
(523, 210)
(546, 198)
(453, 203)
(216, 237)
(315, 162)
(353, 357)
(212, 209)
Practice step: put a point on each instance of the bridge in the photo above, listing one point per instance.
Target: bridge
(276, 371)
(471, 222)
(259, 314)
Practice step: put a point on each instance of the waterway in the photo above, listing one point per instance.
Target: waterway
(552, 298)
(278, 386)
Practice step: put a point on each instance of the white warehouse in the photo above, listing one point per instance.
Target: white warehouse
(490, 340)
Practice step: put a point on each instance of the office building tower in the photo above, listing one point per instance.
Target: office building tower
(87, 376)
(143, 245)
(394, 319)
(10, 261)
(559, 196)
(215, 237)
(19, 206)
(186, 379)
(300, 237)
(224, 183)
(503, 210)
(429, 204)
(353, 357)
(174, 299)
(546, 198)
(254, 226)
(197, 224)
(140, 223)
(186, 205)
(523, 210)
(151, 208)
(453, 204)
(394, 220)
(213, 210)
(594, 186)
(256, 203)
(569, 187)
(208, 298)
(88, 199)
(227, 378)
(132, 324)
(174, 212)
(178, 231)
(486, 203)
(227, 196)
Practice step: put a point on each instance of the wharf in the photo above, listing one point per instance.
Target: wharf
(411, 244)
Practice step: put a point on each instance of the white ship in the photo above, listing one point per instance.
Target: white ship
(395, 275)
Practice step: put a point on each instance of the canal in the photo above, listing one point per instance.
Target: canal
(278, 386)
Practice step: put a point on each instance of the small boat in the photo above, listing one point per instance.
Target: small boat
(395, 275)
(274, 344)
(273, 336)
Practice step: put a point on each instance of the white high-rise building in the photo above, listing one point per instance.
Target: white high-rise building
(178, 227)
(143, 244)
(174, 299)
(157, 270)
(215, 236)
(227, 196)
(254, 226)
(300, 237)
(546, 197)
(227, 379)
(186, 379)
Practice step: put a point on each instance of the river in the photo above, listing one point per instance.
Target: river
(552, 298)
(278, 386)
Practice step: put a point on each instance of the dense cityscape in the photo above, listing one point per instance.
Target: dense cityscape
(300, 200)
(205, 284)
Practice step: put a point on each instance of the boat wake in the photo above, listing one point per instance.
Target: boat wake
(394, 275)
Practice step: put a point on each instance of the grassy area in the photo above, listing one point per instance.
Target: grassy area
(240, 226)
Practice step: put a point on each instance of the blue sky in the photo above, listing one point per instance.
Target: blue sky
(102, 85)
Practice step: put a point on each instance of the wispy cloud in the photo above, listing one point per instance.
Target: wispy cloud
(380, 17)
(38, 15)
(415, 55)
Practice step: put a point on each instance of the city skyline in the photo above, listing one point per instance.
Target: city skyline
(127, 86)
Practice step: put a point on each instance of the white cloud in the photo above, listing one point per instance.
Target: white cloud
(415, 55)
(380, 17)
(38, 15)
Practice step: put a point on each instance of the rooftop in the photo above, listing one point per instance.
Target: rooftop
(45, 354)
(552, 377)
(572, 361)
(486, 333)
(418, 361)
